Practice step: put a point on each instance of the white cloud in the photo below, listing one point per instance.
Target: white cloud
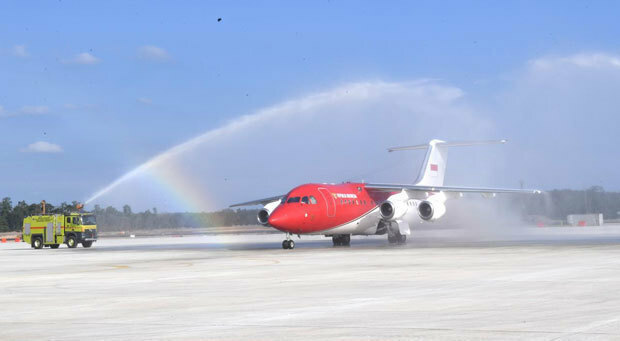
(20, 51)
(26, 110)
(84, 58)
(42, 147)
(34, 110)
(583, 60)
(153, 53)
(145, 100)
(562, 112)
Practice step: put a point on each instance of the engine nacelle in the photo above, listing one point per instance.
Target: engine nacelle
(429, 210)
(392, 210)
(263, 216)
(265, 212)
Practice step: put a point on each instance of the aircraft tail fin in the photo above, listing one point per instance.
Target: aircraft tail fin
(433, 168)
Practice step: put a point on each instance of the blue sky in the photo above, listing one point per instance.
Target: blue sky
(91, 91)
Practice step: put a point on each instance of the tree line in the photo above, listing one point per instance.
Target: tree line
(112, 219)
(555, 204)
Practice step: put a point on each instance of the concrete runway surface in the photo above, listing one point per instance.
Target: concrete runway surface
(538, 284)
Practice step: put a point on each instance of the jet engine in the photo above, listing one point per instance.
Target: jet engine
(392, 210)
(265, 212)
(263, 216)
(429, 210)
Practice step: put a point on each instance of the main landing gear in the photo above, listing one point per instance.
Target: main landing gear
(397, 238)
(341, 239)
(288, 243)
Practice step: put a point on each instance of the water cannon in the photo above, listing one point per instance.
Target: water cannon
(79, 207)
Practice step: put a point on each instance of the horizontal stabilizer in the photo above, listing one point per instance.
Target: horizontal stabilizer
(448, 144)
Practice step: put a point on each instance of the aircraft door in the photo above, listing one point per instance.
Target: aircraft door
(329, 201)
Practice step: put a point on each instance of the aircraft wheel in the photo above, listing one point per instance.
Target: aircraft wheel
(291, 244)
(345, 240)
(397, 239)
(336, 240)
(285, 244)
(37, 243)
(341, 239)
(392, 239)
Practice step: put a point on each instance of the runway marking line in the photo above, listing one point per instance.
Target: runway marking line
(120, 266)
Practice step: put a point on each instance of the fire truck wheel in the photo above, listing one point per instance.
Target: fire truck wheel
(37, 243)
(87, 244)
(71, 242)
(54, 246)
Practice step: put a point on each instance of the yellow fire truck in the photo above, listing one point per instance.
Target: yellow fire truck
(55, 229)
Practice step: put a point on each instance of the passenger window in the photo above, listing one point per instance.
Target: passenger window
(312, 200)
(304, 200)
(292, 200)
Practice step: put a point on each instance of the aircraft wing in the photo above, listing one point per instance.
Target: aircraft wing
(418, 188)
(259, 201)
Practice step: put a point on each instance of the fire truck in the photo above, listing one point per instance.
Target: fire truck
(51, 230)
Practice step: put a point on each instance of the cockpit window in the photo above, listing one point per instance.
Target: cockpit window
(283, 200)
(304, 200)
(292, 200)
(312, 200)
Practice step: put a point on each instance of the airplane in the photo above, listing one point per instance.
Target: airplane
(342, 210)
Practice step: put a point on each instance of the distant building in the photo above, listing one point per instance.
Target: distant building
(585, 219)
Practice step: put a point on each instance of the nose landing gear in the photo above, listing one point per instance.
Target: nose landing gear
(288, 243)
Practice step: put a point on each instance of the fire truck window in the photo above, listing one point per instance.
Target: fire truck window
(75, 220)
(292, 200)
(89, 220)
(68, 220)
(304, 200)
(312, 200)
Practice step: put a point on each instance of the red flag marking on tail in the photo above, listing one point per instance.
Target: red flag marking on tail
(434, 167)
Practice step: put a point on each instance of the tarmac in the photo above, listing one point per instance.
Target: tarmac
(535, 283)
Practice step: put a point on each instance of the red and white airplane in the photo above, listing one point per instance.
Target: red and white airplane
(342, 210)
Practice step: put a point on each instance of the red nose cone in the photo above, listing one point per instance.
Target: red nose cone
(275, 219)
(278, 220)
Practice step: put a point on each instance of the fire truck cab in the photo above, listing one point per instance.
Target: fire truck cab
(51, 230)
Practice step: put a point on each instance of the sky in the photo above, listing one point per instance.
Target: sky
(198, 106)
